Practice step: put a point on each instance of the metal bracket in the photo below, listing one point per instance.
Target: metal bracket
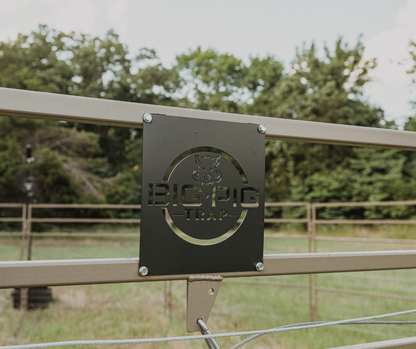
(201, 293)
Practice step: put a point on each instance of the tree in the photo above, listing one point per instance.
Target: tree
(56, 151)
(368, 176)
(326, 89)
(405, 187)
(318, 89)
(221, 82)
(95, 162)
(77, 64)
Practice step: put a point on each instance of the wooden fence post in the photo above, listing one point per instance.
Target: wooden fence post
(313, 280)
(24, 292)
(168, 298)
(29, 232)
(24, 232)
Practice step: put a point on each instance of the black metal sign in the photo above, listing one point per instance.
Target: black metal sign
(202, 196)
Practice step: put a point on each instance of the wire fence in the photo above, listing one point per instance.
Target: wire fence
(254, 334)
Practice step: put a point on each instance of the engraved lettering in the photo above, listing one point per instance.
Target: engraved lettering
(211, 215)
(200, 214)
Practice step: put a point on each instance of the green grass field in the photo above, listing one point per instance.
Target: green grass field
(121, 311)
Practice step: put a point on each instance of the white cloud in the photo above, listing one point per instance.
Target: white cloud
(391, 86)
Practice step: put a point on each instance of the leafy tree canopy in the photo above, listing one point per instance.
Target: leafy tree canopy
(94, 163)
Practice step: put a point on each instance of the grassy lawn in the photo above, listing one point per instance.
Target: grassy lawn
(121, 311)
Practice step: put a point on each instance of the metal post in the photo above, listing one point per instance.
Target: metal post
(211, 342)
(168, 298)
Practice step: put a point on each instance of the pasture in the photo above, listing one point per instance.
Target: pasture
(121, 311)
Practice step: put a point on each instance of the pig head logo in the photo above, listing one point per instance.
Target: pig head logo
(207, 171)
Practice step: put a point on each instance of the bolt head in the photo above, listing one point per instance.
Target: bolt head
(147, 117)
(259, 266)
(143, 271)
(261, 128)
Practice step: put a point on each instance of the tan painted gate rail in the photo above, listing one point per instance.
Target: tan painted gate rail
(41, 105)
(116, 270)
(402, 343)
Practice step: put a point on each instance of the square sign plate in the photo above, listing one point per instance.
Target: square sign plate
(202, 196)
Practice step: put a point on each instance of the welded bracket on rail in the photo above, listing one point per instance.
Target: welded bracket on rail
(201, 293)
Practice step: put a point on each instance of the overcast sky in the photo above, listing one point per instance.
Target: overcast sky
(242, 28)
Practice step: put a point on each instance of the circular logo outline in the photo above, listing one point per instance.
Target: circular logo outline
(206, 173)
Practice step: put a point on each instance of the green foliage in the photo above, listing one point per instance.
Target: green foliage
(214, 81)
(318, 89)
(366, 177)
(55, 148)
(76, 162)
(33, 62)
(221, 82)
(96, 163)
(10, 170)
(55, 183)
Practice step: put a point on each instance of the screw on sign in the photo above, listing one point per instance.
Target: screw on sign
(147, 117)
(143, 271)
(261, 128)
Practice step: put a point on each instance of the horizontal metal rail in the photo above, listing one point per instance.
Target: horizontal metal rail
(50, 106)
(364, 203)
(285, 204)
(11, 219)
(88, 235)
(286, 220)
(11, 205)
(137, 235)
(402, 343)
(96, 206)
(285, 236)
(363, 221)
(76, 235)
(83, 220)
(366, 240)
(7, 233)
(407, 242)
(117, 270)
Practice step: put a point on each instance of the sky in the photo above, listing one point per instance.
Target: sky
(243, 28)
